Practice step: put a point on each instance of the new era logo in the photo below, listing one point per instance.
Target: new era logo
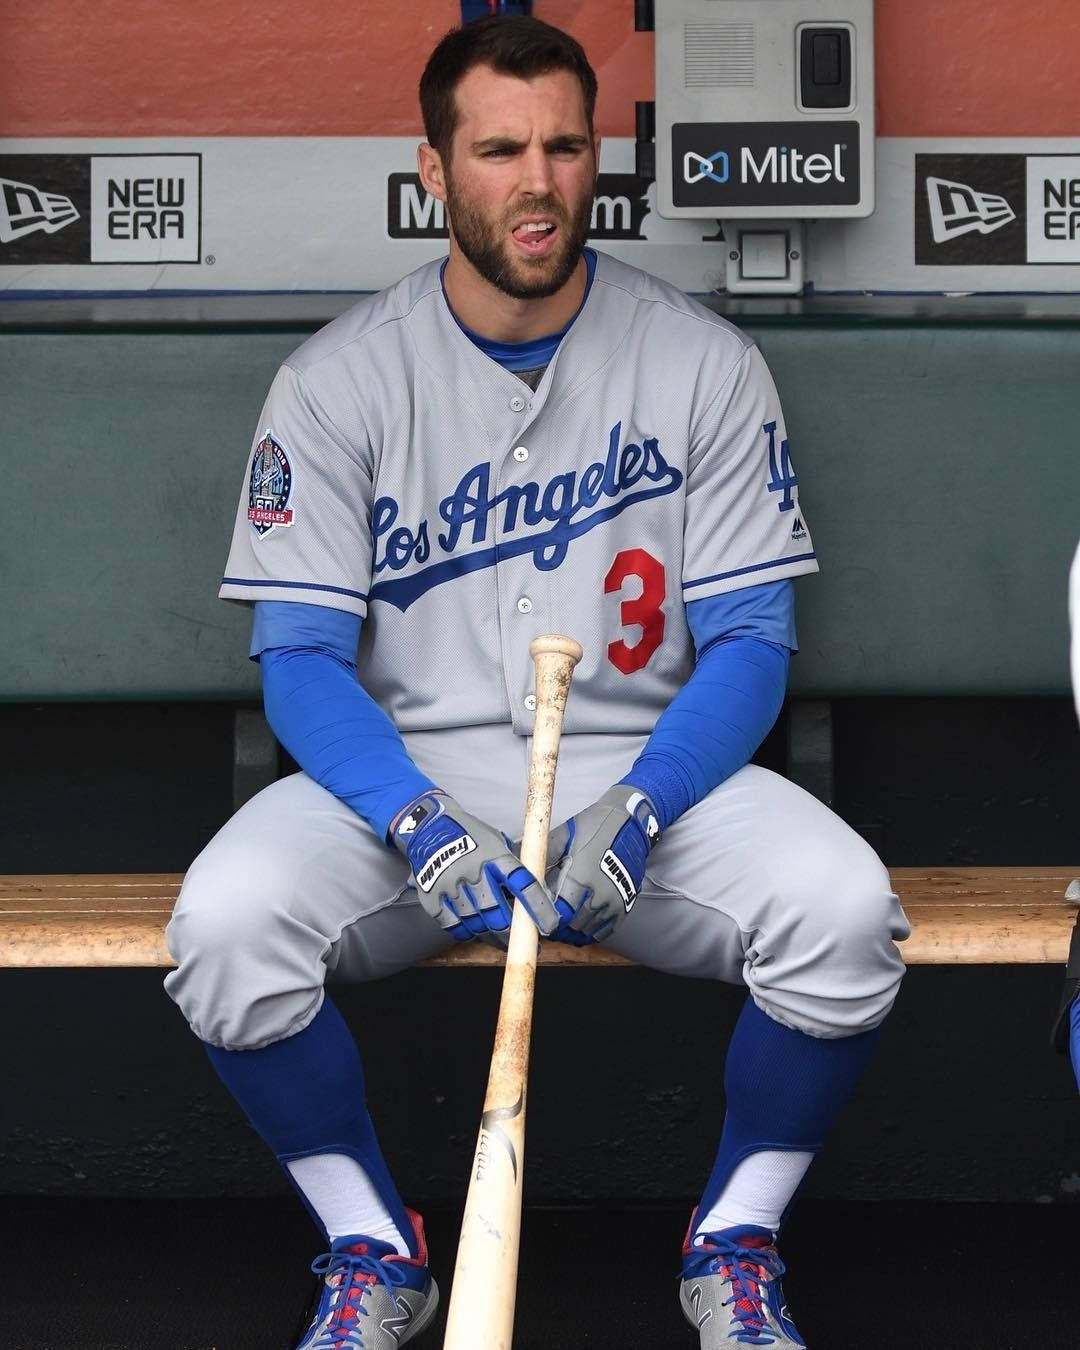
(25, 209)
(957, 209)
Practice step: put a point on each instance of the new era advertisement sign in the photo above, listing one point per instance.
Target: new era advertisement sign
(978, 210)
(100, 208)
(797, 164)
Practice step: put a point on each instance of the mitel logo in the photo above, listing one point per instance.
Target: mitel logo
(696, 167)
(25, 209)
(956, 209)
(778, 164)
(765, 164)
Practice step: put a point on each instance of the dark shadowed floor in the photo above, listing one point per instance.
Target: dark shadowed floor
(210, 1275)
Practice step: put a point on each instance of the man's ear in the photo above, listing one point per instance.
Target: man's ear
(430, 167)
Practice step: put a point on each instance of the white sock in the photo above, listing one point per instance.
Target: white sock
(757, 1192)
(338, 1190)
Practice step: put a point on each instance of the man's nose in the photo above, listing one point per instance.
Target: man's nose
(537, 178)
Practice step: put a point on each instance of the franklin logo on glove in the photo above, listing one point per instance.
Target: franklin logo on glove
(466, 873)
(427, 877)
(596, 863)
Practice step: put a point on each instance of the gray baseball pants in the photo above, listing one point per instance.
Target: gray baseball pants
(759, 884)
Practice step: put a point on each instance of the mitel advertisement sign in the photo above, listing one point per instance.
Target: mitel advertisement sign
(721, 165)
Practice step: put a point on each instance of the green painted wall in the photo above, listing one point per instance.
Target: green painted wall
(937, 467)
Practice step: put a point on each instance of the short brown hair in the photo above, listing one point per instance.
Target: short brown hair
(510, 44)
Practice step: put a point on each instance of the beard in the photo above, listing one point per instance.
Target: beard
(487, 245)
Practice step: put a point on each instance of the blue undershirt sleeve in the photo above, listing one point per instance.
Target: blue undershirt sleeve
(324, 717)
(724, 711)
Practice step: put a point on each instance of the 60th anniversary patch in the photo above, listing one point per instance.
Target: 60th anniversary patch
(270, 487)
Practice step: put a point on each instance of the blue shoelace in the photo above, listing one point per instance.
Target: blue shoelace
(729, 1259)
(343, 1330)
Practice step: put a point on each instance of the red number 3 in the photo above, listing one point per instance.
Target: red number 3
(644, 610)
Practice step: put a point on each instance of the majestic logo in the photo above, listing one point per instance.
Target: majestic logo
(25, 209)
(696, 167)
(510, 523)
(270, 487)
(956, 209)
(798, 529)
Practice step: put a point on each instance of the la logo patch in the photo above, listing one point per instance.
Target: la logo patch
(270, 486)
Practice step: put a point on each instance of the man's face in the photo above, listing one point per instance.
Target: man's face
(520, 179)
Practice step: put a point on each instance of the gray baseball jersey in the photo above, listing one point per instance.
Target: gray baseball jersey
(401, 474)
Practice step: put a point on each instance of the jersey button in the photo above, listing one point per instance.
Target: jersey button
(530, 702)
(524, 605)
(517, 403)
(521, 454)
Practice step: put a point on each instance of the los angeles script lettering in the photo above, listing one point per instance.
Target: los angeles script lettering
(471, 511)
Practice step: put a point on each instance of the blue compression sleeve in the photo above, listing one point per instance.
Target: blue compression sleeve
(324, 717)
(724, 711)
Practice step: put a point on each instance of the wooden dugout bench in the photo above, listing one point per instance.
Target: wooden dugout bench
(932, 479)
(972, 916)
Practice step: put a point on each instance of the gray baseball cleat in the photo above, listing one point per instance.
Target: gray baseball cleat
(731, 1290)
(371, 1298)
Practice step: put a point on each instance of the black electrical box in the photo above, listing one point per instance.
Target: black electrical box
(825, 67)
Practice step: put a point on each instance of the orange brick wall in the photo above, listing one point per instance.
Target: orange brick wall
(267, 68)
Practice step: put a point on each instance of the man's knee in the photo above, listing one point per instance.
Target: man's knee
(247, 973)
(836, 970)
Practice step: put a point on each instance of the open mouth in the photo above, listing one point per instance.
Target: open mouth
(535, 237)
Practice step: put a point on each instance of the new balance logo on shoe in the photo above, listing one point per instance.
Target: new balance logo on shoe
(25, 209)
(394, 1326)
(695, 1299)
(957, 209)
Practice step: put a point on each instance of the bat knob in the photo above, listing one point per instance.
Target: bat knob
(556, 644)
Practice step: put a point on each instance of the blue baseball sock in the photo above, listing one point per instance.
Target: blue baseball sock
(1074, 1038)
(305, 1096)
(784, 1090)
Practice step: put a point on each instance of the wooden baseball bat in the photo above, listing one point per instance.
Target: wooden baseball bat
(481, 1311)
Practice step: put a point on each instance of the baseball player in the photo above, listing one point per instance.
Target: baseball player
(527, 437)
